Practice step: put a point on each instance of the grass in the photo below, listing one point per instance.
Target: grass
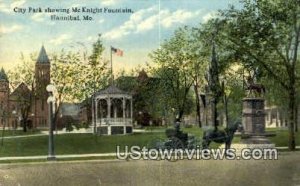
(74, 144)
(88, 143)
(10, 132)
(281, 138)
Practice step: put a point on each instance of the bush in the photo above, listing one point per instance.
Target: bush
(66, 122)
(83, 125)
(69, 127)
(188, 126)
(170, 133)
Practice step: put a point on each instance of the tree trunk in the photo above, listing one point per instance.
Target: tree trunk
(198, 111)
(180, 115)
(24, 123)
(214, 113)
(3, 131)
(292, 143)
(296, 118)
(226, 109)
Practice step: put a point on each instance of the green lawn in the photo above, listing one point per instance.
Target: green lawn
(10, 132)
(88, 143)
(281, 138)
(74, 144)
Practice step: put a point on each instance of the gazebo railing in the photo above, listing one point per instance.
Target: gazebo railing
(114, 121)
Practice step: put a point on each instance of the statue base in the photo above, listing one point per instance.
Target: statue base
(255, 139)
(254, 135)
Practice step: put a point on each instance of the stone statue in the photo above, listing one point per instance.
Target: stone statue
(254, 89)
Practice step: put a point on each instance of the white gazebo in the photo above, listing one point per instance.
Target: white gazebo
(113, 111)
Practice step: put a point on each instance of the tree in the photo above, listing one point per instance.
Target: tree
(21, 77)
(233, 92)
(199, 54)
(266, 34)
(210, 48)
(173, 62)
(94, 75)
(64, 75)
(77, 76)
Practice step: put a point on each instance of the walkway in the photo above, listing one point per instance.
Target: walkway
(284, 171)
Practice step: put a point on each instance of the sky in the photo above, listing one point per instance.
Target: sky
(137, 33)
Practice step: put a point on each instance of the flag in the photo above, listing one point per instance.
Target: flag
(117, 51)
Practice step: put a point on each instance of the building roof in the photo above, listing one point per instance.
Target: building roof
(22, 91)
(3, 76)
(43, 57)
(112, 89)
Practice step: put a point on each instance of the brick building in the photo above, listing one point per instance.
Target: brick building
(27, 103)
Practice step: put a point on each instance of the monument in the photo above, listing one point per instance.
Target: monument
(253, 119)
(254, 123)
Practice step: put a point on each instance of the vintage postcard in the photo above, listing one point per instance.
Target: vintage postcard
(149, 92)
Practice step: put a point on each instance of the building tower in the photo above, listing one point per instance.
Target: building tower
(42, 79)
(4, 98)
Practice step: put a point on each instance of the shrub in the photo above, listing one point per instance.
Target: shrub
(170, 132)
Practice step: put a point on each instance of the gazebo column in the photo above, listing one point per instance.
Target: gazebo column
(115, 109)
(124, 107)
(124, 116)
(96, 112)
(131, 109)
(100, 112)
(93, 114)
(108, 116)
(108, 107)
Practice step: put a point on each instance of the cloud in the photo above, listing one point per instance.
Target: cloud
(5, 9)
(17, 3)
(101, 21)
(209, 15)
(60, 39)
(8, 8)
(108, 2)
(40, 17)
(91, 38)
(10, 29)
(147, 24)
(75, 5)
(179, 16)
(148, 19)
(130, 26)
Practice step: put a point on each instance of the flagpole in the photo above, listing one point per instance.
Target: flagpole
(111, 66)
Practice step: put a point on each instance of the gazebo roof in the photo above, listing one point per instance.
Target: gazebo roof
(112, 89)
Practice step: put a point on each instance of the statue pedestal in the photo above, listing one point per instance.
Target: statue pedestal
(254, 135)
(254, 122)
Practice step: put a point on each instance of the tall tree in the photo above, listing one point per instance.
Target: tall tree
(266, 34)
(174, 61)
(94, 75)
(77, 75)
(210, 48)
(20, 79)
